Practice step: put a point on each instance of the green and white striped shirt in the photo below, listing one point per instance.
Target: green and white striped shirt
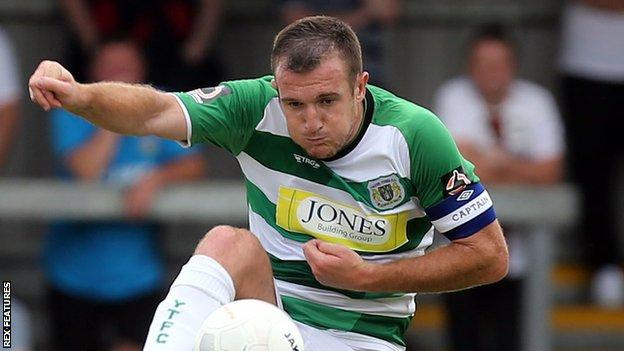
(382, 196)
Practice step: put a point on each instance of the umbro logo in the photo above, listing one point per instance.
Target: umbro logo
(465, 195)
(303, 159)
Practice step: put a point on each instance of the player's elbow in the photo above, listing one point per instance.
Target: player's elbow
(488, 251)
(500, 266)
(497, 258)
(490, 254)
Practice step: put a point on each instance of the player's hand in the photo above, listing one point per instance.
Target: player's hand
(52, 86)
(336, 265)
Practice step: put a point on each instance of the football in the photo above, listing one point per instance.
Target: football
(249, 325)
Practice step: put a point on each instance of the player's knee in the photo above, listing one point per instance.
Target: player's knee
(218, 237)
(228, 240)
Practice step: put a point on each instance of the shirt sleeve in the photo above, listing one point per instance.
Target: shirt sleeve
(446, 184)
(225, 115)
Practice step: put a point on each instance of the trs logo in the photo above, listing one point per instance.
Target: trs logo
(303, 159)
(455, 182)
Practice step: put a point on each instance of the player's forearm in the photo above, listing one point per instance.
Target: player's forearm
(460, 265)
(119, 107)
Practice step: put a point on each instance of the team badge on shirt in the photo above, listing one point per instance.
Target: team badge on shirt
(454, 182)
(386, 192)
(207, 95)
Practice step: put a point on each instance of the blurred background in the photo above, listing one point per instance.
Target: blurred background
(532, 91)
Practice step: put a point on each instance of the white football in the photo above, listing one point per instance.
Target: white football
(248, 325)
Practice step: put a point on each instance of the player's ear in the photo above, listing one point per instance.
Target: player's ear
(274, 84)
(360, 85)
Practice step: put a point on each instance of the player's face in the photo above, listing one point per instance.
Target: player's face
(323, 107)
(492, 68)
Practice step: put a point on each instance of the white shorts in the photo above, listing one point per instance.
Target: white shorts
(338, 340)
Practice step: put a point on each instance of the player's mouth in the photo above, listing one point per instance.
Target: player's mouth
(316, 140)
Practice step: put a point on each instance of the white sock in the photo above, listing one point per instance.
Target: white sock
(202, 286)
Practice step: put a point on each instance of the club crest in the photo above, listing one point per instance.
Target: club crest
(386, 192)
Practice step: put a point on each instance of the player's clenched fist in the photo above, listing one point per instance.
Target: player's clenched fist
(53, 86)
(336, 265)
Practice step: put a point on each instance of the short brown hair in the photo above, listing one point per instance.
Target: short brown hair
(304, 43)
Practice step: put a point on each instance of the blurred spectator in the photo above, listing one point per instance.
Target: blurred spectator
(21, 338)
(592, 62)
(510, 129)
(107, 275)
(178, 36)
(21, 327)
(367, 17)
(9, 96)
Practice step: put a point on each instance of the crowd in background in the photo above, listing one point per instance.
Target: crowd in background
(509, 127)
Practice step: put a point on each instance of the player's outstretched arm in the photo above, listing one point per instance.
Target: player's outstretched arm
(119, 107)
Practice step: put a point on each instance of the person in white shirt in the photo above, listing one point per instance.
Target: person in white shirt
(592, 64)
(510, 129)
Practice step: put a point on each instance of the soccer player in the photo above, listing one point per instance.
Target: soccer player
(345, 184)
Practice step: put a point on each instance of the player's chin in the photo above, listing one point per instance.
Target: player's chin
(321, 151)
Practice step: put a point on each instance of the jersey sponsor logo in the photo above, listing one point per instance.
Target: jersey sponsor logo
(304, 212)
(386, 192)
(305, 160)
(207, 95)
(455, 182)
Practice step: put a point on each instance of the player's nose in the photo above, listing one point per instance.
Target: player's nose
(312, 119)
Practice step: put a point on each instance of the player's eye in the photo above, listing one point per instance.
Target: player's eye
(294, 104)
(327, 102)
